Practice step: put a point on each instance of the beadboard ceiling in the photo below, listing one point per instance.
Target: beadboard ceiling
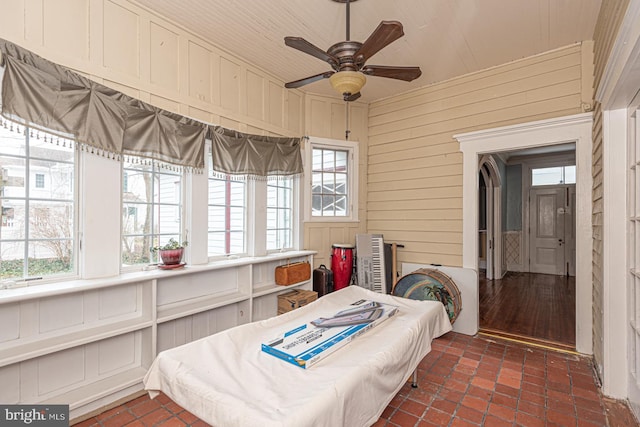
(445, 38)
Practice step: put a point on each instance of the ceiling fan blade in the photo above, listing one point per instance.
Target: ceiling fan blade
(353, 97)
(386, 33)
(311, 49)
(401, 73)
(307, 80)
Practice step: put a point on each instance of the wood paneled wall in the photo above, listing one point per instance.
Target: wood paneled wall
(326, 118)
(415, 165)
(124, 46)
(609, 20)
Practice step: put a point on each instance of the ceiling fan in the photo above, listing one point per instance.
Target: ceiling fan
(347, 58)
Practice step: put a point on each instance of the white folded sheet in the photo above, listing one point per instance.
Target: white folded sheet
(226, 380)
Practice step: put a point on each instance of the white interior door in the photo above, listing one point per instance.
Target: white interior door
(546, 230)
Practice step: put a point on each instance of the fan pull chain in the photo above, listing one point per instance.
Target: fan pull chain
(347, 131)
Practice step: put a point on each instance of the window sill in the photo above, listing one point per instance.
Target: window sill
(78, 285)
(330, 219)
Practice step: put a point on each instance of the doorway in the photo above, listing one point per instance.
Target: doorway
(535, 300)
(575, 129)
(490, 218)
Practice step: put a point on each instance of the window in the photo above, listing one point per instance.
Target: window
(39, 180)
(37, 235)
(227, 215)
(280, 214)
(152, 208)
(553, 175)
(329, 185)
(332, 173)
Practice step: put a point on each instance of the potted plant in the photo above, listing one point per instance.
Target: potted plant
(171, 252)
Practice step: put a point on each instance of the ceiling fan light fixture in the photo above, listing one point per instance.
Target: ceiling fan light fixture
(347, 82)
(347, 59)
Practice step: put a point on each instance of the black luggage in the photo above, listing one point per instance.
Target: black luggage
(322, 280)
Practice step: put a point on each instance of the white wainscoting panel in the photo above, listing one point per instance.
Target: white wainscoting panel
(58, 371)
(10, 322)
(186, 329)
(76, 371)
(264, 306)
(174, 333)
(115, 302)
(61, 312)
(118, 353)
(10, 380)
(184, 287)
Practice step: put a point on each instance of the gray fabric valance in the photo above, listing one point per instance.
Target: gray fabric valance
(238, 153)
(41, 94)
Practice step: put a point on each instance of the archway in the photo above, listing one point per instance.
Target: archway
(493, 218)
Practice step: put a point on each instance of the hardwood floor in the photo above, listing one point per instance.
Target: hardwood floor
(534, 307)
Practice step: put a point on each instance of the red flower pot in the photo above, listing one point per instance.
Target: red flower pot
(171, 256)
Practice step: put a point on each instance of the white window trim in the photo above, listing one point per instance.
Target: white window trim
(352, 148)
(528, 165)
(77, 235)
(296, 229)
(213, 258)
(184, 221)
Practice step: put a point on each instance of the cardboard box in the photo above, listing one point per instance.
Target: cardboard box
(295, 299)
(307, 344)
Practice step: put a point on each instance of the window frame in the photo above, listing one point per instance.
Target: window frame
(353, 159)
(541, 161)
(563, 167)
(28, 133)
(294, 219)
(156, 166)
(247, 241)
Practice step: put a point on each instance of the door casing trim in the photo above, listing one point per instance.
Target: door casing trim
(575, 128)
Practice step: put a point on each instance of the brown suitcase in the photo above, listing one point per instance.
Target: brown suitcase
(292, 273)
(322, 280)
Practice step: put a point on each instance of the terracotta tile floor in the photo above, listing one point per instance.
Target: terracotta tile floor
(464, 381)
